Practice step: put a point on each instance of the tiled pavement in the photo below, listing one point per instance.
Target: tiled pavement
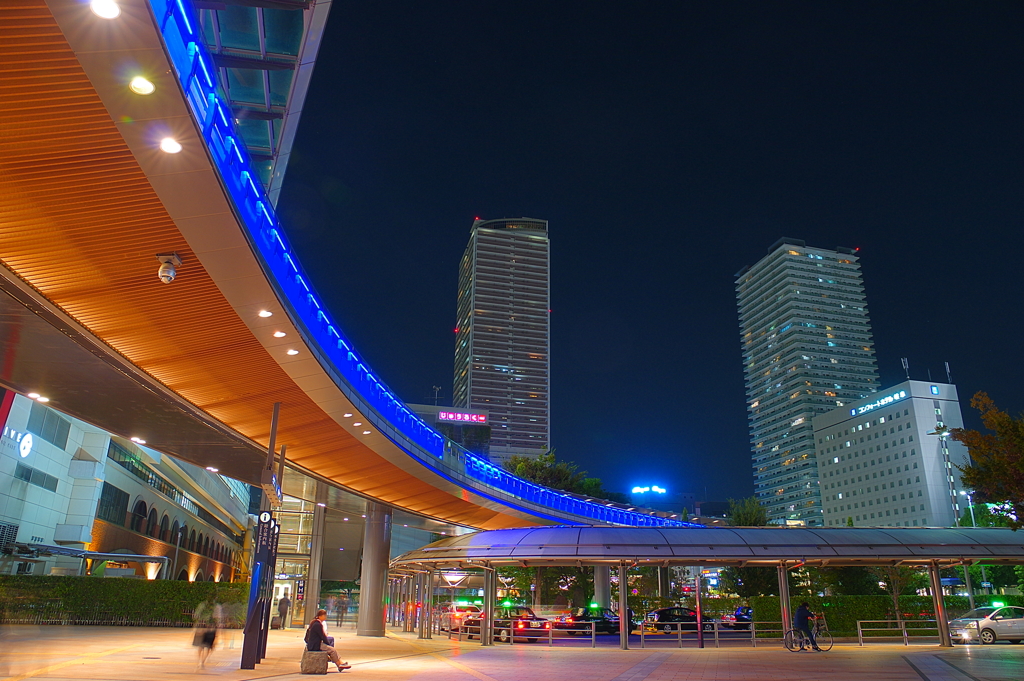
(135, 653)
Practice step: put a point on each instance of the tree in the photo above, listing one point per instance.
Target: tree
(996, 471)
(979, 515)
(548, 471)
(898, 579)
(747, 513)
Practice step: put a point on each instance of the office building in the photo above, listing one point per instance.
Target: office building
(502, 334)
(807, 349)
(75, 499)
(887, 460)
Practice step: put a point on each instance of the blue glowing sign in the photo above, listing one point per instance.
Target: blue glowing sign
(652, 488)
(888, 399)
(935, 390)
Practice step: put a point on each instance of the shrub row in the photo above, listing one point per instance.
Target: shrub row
(28, 599)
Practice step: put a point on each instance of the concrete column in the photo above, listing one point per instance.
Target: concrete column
(490, 596)
(624, 624)
(538, 578)
(697, 588)
(969, 585)
(316, 554)
(664, 586)
(428, 603)
(408, 605)
(422, 620)
(940, 606)
(603, 586)
(787, 618)
(374, 573)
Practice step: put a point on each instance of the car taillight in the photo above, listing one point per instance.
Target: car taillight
(547, 625)
(519, 625)
(569, 620)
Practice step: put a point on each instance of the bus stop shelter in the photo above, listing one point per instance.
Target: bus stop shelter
(780, 547)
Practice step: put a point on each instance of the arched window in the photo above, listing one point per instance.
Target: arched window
(164, 526)
(138, 519)
(152, 523)
(210, 578)
(192, 541)
(199, 543)
(206, 547)
(183, 575)
(173, 536)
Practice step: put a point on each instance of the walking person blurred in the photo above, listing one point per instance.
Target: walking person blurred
(283, 606)
(317, 639)
(204, 632)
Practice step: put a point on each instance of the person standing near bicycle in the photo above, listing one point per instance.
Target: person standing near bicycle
(802, 622)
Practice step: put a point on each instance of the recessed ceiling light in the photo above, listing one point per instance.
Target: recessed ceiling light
(358, 423)
(42, 399)
(265, 313)
(170, 145)
(341, 549)
(321, 504)
(105, 9)
(141, 86)
(348, 416)
(293, 351)
(366, 432)
(35, 396)
(212, 469)
(280, 334)
(345, 519)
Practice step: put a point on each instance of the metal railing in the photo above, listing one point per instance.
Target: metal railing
(905, 628)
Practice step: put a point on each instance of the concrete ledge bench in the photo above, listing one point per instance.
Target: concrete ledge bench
(314, 662)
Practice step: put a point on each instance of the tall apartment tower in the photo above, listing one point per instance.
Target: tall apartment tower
(502, 337)
(807, 349)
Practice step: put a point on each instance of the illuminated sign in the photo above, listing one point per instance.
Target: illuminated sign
(652, 488)
(888, 399)
(461, 416)
(24, 440)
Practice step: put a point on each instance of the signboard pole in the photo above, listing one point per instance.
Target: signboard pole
(258, 609)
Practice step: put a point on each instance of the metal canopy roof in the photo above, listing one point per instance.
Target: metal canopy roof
(742, 546)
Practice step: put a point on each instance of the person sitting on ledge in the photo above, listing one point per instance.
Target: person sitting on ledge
(316, 640)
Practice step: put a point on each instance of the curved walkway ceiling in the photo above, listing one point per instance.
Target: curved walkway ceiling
(87, 200)
(739, 546)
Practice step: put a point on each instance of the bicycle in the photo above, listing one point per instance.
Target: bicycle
(796, 640)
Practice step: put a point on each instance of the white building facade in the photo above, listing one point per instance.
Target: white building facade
(67, 484)
(503, 333)
(807, 349)
(886, 460)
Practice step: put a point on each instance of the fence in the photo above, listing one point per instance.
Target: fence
(904, 628)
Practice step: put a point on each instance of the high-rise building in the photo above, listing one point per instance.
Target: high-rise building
(502, 337)
(807, 349)
(888, 459)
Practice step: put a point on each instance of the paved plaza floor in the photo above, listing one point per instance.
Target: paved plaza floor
(137, 653)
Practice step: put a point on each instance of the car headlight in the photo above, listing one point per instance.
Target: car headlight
(971, 625)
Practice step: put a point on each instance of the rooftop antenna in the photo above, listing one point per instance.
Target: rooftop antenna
(906, 366)
(437, 391)
(929, 375)
(949, 374)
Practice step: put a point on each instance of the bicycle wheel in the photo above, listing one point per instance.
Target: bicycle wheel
(793, 640)
(824, 639)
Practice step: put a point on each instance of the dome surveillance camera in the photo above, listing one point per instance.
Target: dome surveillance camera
(168, 263)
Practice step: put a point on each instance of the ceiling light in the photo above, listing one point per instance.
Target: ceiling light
(138, 440)
(35, 396)
(321, 504)
(346, 519)
(366, 432)
(280, 334)
(341, 549)
(265, 313)
(212, 469)
(105, 9)
(42, 399)
(293, 351)
(358, 423)
(141, 86)
(348, 416)
(170, 145)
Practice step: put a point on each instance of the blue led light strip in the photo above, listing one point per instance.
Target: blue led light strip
(178, 25)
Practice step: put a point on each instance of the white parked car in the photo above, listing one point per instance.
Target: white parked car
(989, 624)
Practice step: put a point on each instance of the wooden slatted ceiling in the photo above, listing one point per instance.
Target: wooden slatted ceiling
(80, 222)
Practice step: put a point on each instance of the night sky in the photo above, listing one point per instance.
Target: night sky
(669, 144)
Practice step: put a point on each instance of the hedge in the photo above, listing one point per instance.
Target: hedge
(843, 612)
(26, 599)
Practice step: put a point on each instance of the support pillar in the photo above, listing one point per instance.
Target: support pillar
(784, 604)
(316, 554)
(374, 573)
(490, 596)
(538, 580)
(624, 624)
(969, 585)
(663, 583)
(697, 588)
(422, 620)
(603, 586)
(408, 605)
(940, 606)
(428, 603)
